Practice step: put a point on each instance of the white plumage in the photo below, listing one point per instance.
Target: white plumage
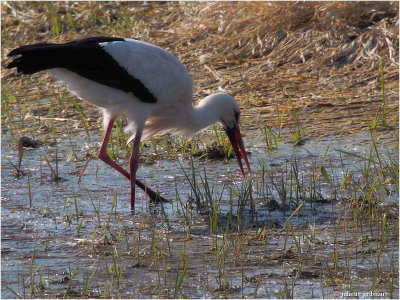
(163, 74)
(146, 82)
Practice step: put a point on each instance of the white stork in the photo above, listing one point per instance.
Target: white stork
(146, 82)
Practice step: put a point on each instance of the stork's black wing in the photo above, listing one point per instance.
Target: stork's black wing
(86, 57)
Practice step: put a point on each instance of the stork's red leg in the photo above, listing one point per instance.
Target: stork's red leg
(133, 164)
(103, 155)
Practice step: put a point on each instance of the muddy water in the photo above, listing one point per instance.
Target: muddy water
(67, 241)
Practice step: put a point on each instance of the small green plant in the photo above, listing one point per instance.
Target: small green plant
(71, 20)
(70, 282)
(179, 277)
(82, 115)
(29, 187)
(297, 138)
(270, 136)
(54, 18)
(114, 204)
(380, 116)
(33, 268)
(121, 137)
(116, 270)
(222, 251)
(285, 292)
(201, 191)
(86, 285)
(394, 171)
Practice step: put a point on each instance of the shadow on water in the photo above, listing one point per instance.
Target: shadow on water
(222, 235)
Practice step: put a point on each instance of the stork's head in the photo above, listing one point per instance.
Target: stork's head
(229, 118)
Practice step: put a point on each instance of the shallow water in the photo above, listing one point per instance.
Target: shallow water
(63, 244)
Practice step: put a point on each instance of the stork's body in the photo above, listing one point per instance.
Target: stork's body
(146, 82)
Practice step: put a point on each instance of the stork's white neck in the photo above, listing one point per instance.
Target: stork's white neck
(215, 108)
(191, 119)
(206, 113)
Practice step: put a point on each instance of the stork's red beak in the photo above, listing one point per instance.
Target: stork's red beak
(237, 144)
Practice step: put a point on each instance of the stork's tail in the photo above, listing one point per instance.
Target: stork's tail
(33, 58)
(43, 56)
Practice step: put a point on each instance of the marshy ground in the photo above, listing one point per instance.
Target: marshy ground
(318, 87)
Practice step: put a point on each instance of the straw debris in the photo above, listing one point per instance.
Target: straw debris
(325, 55)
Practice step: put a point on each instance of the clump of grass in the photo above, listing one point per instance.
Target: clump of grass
(378, 175)
(314, 183)
(222, 140)
(77, 214)
(297, 138)
(33, 268)
(82, 115)
(116, 270)
(56, 24)
(394, 172)
(67, 290)
(270, 136)
(29, 187)
(244, 199)
(284, 292)
(380, 117)
(200, 190)
(6, 107)
(180, 275)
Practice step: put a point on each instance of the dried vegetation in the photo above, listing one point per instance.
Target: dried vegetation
(326, 55)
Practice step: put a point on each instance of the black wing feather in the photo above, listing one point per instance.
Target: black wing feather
(86, 57)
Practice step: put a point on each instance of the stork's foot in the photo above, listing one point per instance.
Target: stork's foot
(156, 197)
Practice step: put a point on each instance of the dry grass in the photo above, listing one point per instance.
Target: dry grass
(326, 55)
